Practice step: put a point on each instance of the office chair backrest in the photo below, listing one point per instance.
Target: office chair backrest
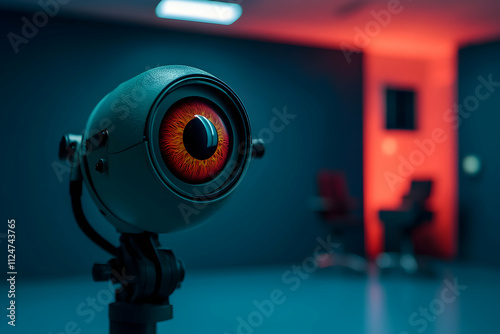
(420, 191)
(333, 189)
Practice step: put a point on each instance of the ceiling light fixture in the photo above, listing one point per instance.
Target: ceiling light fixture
(205, 11)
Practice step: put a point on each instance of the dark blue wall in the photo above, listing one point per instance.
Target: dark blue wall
(479, 134)
(50, 87)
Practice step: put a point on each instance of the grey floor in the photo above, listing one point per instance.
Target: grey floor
(325, 301)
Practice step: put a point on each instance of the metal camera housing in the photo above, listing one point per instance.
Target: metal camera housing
(119, 155)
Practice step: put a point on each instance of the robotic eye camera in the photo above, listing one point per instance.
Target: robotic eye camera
(160, 153)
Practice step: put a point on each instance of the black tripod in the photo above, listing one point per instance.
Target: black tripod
(151, 275)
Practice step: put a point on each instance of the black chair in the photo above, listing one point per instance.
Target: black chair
(399, 226)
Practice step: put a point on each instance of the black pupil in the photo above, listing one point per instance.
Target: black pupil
(200, 138)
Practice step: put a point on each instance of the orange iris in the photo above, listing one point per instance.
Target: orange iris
(172, 141)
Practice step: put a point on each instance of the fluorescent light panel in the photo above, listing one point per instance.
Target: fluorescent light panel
(199, 11)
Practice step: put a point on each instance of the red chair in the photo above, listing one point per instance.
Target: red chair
(337, 208)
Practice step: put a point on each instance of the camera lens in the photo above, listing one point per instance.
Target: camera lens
(200, 138)
(194, 141)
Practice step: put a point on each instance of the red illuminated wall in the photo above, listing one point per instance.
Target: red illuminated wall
(392, 158)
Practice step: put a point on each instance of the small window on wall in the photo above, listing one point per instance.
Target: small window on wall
(400, 109)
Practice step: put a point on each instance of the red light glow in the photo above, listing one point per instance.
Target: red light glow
(392, 158)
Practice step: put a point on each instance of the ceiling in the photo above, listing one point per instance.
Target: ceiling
(419, 26)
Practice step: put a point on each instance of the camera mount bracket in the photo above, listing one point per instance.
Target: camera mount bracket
(147, 275)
